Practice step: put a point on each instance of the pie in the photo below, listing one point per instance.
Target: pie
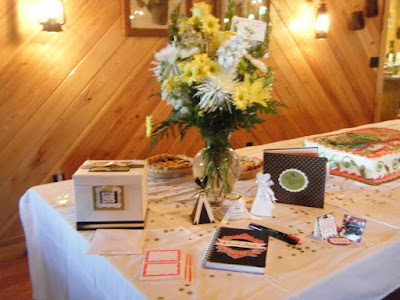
(249, 167)
(165, 166)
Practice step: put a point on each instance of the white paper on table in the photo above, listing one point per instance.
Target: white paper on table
(117, 241)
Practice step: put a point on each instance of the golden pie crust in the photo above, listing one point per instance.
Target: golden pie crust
(249, 167)
(166, 166)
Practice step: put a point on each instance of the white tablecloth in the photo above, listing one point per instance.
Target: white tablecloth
(60, 269)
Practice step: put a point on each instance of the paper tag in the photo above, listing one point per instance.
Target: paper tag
(353, 228)
(325, 227)
(254, 29)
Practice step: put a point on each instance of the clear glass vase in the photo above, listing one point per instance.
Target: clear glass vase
(221, 166)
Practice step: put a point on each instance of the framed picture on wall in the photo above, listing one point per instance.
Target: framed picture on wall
(148, 17)
(251, 9)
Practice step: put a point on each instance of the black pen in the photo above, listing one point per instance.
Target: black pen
(276, 234)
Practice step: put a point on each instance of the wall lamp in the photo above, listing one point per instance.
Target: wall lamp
(322, 22)
(51, 14)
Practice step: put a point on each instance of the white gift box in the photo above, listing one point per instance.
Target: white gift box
(111, 194)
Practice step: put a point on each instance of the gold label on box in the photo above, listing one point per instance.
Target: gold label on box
(108, 197)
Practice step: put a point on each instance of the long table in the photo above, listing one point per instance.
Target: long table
(61, 269)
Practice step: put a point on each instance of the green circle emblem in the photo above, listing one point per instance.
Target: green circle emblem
(293, 180)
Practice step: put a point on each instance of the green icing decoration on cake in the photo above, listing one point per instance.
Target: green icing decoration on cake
(395, 164)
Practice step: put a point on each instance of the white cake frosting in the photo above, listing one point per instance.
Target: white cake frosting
(370, 154)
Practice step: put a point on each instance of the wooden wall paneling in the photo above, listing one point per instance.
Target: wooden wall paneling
(105, 104)
(166, 144)
(143, 150)
(16, 28)
(196, 143)
(17, 181)
(60, 99)
(379, 99)
(285, 119)
(351, 54)
(322, 60)
(30, 86)
(283, 126)
(284, 91)
(191, 144)
(5, 6)
(93, 142)
(46, 154)
(298, 68)
(139, 146)
(241, 137)
(27, 29)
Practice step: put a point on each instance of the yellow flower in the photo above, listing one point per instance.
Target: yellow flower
(220, 37)
(240, 97)
(259, 94)
(170, 82)
(210, 24)
(189, 24)
(248, 93)
(149, 125)
(200, 10)
(213, 68)
(200, 58)
(205, 65)
(191, 74)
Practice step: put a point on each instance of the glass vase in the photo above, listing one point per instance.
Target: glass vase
(221, 165)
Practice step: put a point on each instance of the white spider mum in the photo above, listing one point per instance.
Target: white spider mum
(215, 92)
(165, 61)
(168, 54)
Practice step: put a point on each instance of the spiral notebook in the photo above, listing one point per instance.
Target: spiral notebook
(238, 250)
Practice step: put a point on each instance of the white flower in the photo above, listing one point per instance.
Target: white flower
(168, 54)
(166, 60)
(231, 51)
(215, 92)
(171, 99)
(259, 64)
(185, 53)
(184, 111)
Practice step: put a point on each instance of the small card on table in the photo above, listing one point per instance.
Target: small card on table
(166, 264)
(353, 228)
(325, 227)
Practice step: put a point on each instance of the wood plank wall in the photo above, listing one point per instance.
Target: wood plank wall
(83, 93)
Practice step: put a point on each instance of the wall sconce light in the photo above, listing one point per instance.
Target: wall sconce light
(322, 22)
(51, 14)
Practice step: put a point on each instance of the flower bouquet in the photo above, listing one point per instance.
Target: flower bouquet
(215, 81)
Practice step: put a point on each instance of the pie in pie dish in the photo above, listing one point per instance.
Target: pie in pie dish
(249, 167)
(166, 166)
